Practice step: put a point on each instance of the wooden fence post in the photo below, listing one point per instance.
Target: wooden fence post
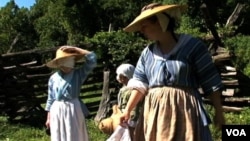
(104, 106)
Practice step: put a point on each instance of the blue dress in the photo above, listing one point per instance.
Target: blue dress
(67, 121)
(173, 105)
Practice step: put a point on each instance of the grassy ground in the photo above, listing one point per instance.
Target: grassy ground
(26, 132)
(232, 118)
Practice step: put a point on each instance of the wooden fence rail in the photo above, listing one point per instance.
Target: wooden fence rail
(23, 85)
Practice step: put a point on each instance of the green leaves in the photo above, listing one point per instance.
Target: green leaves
(239, 46)
(117, 47)
(17, 32)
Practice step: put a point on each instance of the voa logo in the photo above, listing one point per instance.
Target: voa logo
(236, 132)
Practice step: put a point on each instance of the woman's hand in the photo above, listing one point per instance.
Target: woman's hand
(124, 118)
(134, 98)
(219, 119)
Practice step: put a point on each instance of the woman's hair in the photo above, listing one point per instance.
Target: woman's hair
(172, 23)
(153, 19)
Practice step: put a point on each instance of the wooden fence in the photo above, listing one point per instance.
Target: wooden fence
(237, 85)
(24, 78)
(23, 85)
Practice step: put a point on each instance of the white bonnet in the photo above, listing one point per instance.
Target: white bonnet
(126, 70)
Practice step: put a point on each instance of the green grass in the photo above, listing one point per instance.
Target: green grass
(232, 118)
(20, 132)
(25, 132)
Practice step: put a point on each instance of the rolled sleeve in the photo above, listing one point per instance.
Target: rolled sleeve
(138, 85)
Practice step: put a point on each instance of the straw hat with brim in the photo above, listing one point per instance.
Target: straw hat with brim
(60, 54)
(135, 25)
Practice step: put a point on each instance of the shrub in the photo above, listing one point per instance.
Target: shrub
(117, 47)
(239, 46)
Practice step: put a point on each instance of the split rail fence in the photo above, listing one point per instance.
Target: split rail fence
(24, 78)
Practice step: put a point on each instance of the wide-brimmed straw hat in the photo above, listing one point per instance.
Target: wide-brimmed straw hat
(60, 54)
(135, 24)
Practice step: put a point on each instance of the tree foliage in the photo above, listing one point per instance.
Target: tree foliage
(239, 47)
(119, 13)
(17, 32)
(51, 23)
(117, 47)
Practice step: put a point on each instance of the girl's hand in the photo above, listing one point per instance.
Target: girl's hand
(72, 49)
(69, 49)
(47, 124)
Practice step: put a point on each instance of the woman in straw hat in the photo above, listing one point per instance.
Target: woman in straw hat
(168, 74)
(65, 116)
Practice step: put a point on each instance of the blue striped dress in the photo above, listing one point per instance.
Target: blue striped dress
(173, 109)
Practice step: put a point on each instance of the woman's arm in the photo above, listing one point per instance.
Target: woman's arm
(134, 99)
(219, 119)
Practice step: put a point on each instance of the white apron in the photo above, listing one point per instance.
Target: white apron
(67, 121)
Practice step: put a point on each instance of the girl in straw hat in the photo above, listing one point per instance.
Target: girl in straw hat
(65, 117)
(168, 74)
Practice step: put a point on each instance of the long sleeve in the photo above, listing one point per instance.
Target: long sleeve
(88, 66)
(51, 95)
